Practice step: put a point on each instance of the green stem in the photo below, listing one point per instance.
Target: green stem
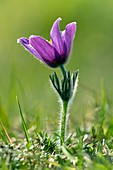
(63, 70)
(63, 122)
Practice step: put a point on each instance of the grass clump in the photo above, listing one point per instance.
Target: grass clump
(86, 148)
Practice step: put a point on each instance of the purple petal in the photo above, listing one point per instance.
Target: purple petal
(43, 47)
(68, 36)
(25, 43)
(55, 35)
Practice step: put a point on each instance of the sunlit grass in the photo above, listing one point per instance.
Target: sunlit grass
(89, 145)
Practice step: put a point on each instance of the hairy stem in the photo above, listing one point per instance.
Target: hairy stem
(63, 122)
(63, 70)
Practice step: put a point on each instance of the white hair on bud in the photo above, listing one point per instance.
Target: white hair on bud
(74, 90)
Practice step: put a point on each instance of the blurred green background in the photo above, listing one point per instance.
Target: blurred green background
(26, 77)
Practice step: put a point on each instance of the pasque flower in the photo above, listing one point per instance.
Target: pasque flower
(57, 51)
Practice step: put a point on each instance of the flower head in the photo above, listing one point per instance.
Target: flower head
(57, 51)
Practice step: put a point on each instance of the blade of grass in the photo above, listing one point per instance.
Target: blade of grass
(6, 133)
(23, 122)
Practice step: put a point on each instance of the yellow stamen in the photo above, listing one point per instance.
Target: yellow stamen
(50, 41)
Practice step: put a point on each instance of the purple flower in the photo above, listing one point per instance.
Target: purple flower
(57, 51)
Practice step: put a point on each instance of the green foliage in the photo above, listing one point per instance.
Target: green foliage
(89, 149)
(67, 86)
